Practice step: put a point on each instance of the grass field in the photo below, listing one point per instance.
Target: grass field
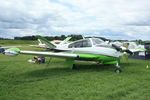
(20, 80)
(17, 42)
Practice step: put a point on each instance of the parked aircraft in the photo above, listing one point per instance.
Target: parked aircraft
(129, 45)
(89, 49)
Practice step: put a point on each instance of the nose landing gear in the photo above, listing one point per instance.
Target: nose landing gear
(118, 69)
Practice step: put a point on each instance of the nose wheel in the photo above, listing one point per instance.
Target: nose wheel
(118, 69)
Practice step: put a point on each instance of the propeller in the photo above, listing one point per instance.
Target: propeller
(117, 47)
(128, 51)
(122, 49)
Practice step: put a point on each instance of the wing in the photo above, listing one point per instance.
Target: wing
(16, 51)
(64, 55)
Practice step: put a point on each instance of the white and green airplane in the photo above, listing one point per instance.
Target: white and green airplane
(89, 49)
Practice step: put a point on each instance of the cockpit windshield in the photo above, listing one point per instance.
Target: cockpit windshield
(81, 44)
(97, 41)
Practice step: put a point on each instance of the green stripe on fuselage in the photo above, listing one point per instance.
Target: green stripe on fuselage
(97, 57)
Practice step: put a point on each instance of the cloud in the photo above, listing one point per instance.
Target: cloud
(114, 19)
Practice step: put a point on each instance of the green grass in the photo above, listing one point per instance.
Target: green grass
(20, 80)
(16, 42)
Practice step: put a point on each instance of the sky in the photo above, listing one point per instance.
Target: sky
(113, 19)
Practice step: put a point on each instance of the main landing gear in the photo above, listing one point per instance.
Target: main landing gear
(118, 69)
(75, 66)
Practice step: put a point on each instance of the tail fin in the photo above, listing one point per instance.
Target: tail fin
(40, 42)
(66, 40)
(45, 41)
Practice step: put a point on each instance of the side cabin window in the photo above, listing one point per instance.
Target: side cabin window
(81, 44)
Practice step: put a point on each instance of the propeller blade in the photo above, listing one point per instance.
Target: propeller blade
(128, 51)
(117, 47)
(121, 49)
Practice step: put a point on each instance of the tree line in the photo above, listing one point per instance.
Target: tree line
(74, 38)
(50, 38)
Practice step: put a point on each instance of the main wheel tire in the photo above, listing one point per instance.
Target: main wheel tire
(74, 66)
(118, 70)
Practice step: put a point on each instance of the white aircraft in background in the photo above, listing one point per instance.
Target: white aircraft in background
(89, 50)
(43, 45)
(129, 45)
